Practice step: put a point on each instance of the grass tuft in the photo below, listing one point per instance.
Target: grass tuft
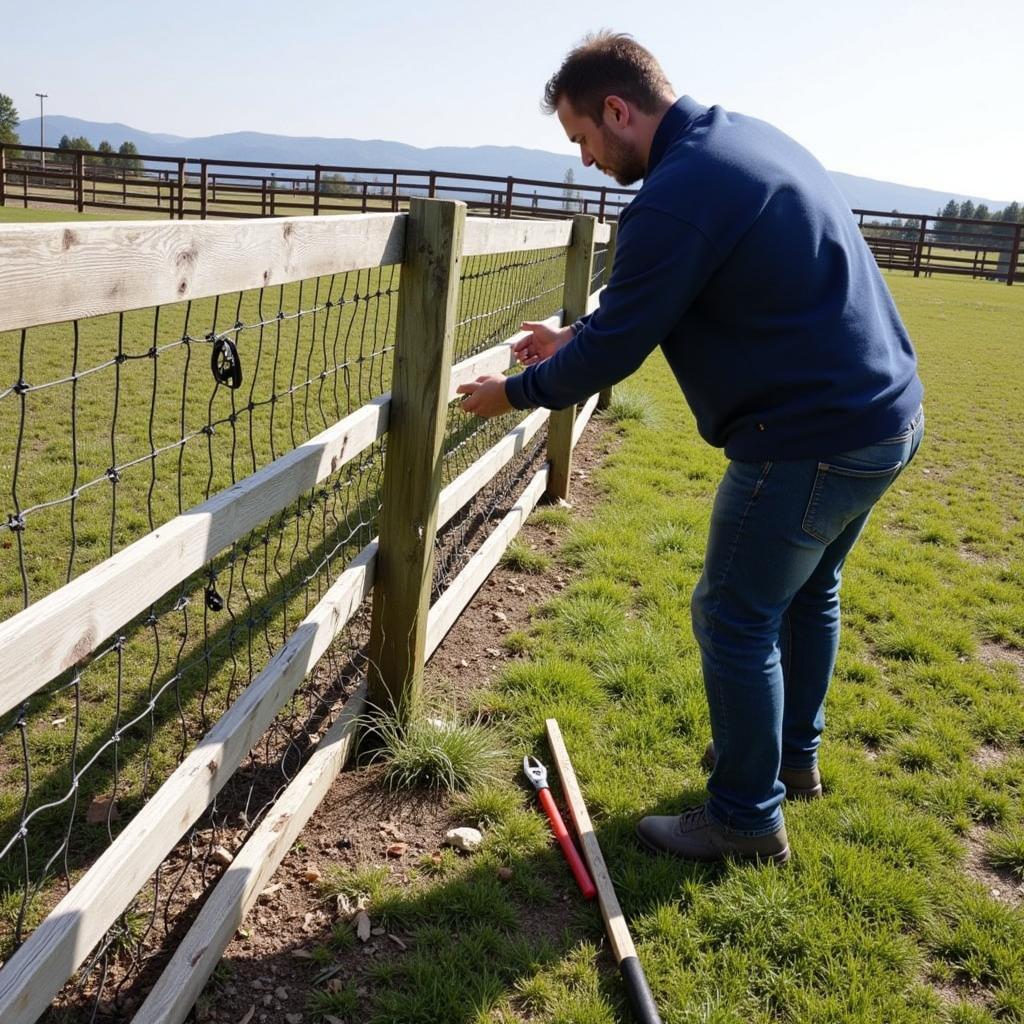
(521, 558)
(630, 404)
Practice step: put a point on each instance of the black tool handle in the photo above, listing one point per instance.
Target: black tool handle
(639, 992)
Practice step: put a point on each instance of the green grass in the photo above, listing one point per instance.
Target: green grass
(876, 918)
(521, 558)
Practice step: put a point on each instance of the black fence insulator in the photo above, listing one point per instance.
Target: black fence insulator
(226, 363)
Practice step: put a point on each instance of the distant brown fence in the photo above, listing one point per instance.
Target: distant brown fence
(180, 187)
(944, 245)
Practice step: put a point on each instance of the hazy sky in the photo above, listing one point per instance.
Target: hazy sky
(922, 92)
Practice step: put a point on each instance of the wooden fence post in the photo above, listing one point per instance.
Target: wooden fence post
(317, 180)
(3, 175)
(604, 398)
(80, 181)
(181, 190)
(1014, 261)
(579, 265)
(424, 340)
(204, 184)
(919, 251)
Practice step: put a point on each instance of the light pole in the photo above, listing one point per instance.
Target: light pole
(42, 156)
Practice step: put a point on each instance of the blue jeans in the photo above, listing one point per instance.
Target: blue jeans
(766, 613)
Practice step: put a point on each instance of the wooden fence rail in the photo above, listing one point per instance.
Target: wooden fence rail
(101, 268)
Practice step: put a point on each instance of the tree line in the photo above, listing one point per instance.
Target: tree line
(909, 229)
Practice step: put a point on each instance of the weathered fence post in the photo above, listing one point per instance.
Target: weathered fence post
(604, 398)
(317, 179)
(181, 190)
(3, 175)
(412, 467)
(579, 266)
(204, 184)
(1011, 269)
(80, 182)
(508, 197)
(919, 252)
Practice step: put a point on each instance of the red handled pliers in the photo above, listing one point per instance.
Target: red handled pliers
(538, 775)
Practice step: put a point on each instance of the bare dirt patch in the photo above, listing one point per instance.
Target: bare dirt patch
(993, 654)
(1002, 885)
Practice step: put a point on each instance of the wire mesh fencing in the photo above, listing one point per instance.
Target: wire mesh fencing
(109, 428)
(497, 294)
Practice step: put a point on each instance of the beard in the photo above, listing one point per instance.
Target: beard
(622, 161)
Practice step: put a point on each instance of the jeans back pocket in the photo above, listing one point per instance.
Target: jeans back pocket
(842, 493)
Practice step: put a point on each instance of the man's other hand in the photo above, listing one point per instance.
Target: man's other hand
(541, 343)
(485, 396)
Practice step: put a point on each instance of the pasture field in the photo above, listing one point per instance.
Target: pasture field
(903, 901)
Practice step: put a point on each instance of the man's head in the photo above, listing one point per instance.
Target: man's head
(610, 94)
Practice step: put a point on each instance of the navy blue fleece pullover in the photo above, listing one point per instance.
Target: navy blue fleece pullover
(742, 260)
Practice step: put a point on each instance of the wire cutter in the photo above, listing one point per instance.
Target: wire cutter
(538, 775)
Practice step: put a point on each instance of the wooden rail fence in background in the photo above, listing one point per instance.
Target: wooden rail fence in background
(180, 187)
(96, 268)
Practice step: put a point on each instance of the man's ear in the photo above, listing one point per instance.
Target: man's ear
(616, 111)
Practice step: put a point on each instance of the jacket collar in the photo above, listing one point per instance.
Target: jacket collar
(676, 120)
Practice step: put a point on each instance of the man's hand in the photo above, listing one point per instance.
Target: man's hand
(541, 343)
(485, 396)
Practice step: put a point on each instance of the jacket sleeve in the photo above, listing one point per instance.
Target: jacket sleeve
(661, 264)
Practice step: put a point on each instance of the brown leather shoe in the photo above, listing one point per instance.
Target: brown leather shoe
(800, 783)
(695, 836)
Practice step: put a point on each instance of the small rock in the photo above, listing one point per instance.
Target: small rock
(504, 873)
(466, 839)
(302, 954)
(281, 992)
(440, 724)
(312, 873)
(362, 926)
(269, 891)
(463, 663)
(499, 616)
(378, 931)
(996, 892)
(58, 722)
(221, 855)
(397, 849)
(293, 1018)
(494, 652)
(344, 843)
(515, 588)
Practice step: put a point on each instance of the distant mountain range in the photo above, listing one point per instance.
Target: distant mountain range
(861, 193)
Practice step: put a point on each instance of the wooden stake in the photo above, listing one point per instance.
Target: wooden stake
(640, 998)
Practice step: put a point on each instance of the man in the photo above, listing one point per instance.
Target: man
(740, 258)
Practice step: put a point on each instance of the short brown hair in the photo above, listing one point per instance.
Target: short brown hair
(607, 64)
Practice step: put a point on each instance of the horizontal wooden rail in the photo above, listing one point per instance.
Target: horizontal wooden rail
(92, 269)
(450, 604)
(469, 482)
(36, 972)
(182, 980)
(65, 627)
(583, 418)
